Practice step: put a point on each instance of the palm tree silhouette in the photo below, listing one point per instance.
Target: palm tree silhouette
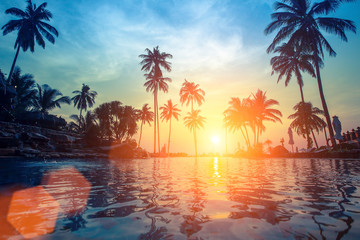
(261, 111)
(292, 60)
(145, 116)
(46, 99)
(151, 64)
(193, 121)
(83, 99)
(238, 116)
(306, 120)
(191, 92)
(301, 23)
(30, 26)
(25, 90)
(168, 111)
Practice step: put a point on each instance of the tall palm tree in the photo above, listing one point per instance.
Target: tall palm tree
(194, 121)
(152, 63)
(31, 25)
(292, 60)
(145, 116)
(261, 111)
(306, 120)
(46, 99)
(83, 99)
(191, 92)
(169, 110)
(300, 23)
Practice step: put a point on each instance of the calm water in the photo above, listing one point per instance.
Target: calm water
(180, 198)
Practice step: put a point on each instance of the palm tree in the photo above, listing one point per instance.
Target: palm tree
(24, 85)
(145, 116)
(83, 99)
(261, 111)
(193, 121)
(301, 24)
(292, 60)
(191, 92)
(152, 63)
(46, 99)
(168, 111)
(238, 116)
(306, 120)
(30, 26)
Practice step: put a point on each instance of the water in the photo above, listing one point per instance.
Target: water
(180, 198)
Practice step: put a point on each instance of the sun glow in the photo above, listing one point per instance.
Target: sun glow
(215, 140)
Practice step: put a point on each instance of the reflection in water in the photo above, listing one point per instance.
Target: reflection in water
(203, 198)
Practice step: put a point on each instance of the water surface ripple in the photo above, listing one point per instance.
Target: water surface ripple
(184, 198)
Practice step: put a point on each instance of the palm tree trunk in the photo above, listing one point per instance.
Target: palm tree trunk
(195, 142)
(81, 126)
(247, 143)
(226, 140)
(12, 68)
(326, 138)
(247, 135)
(155, 121)
(323, 102)
(140, 133)
(317, 146)
(301, 93)
(169, 138)
(308, 137)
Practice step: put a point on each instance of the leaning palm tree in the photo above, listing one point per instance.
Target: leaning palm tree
(152, 63)
(306, 120)
(46, 99)
(193, 121)
(31, 25)
(300, 23)
(84, 99)
(169, 110)
(145, 116)
(292, 60)
(261, 110)
(191, 92)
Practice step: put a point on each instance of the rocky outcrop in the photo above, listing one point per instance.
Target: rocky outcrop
(31, 141)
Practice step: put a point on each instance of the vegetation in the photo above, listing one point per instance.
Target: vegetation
(145, 116)
(169, 111)
(46, 99)
(83, 99)
(152, 63)
(191, 92)
(306, 120)
(116, 122)
(300, 23)
(193, 121)
(251, 112)
(31, 26)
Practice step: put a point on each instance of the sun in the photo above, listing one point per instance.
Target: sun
(215, 140)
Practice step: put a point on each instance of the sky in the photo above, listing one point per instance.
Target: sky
(219, 45)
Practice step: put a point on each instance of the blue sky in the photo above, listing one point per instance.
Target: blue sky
(218, 44)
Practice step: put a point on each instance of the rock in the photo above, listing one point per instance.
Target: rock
(28, 150)
(6, 142)
(61, 138)
(38, 137)
(7, 151)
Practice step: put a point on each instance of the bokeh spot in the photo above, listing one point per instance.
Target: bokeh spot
(33, 212)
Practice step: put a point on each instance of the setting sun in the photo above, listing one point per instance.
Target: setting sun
(215, 139)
